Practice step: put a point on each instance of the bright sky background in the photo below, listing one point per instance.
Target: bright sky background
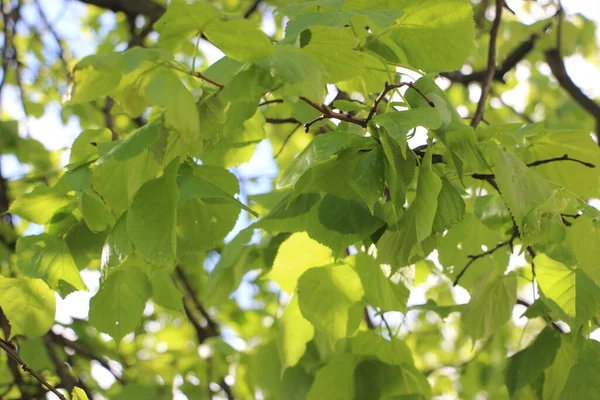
(66, 19)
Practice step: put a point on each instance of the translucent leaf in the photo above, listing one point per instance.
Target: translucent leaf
(294, 333)
(379, 290)
(568, 292)
(326, 296)
(381, 18)
(118, 181)
(584, 238)
(239, 39)
(135, 143)
(528, 364)
(429, 186)
(399, 123)
(490, 306)
(393, 352)
(117, 247)
(118, 306)
(296, 255)
(29, 305)
(444, 27)
(335, 381)
(152, 217)
(164, 291)
(450, 207)
(85, 145)
(399, 170)
(49, 258)
(203, 223)
(95, 213)
(182, 20)
(78, 394)
(40, 204)
(166, 90)
(333, 48)
(90, 83)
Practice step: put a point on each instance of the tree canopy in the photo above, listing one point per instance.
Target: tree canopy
(279, 199)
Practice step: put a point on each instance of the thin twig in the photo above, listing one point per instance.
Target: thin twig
(286, 140)
(554, 325)
(563, 158)
(206, 79)
(389, 88)
(190, 295)
(491, 68)
(274, 101)
(278, 121)
(12, 353)
(476, 257)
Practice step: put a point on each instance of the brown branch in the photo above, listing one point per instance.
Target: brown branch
(491, 68)
(147, 8)
(557, 66)
(12, 353)
(278, 121)
(67, 380)
(518, 54)
(327, 113)
(563, 158)
(554, 325)
(367, 319)
(212, 329)
(476, 257)
(199, 75)
(387, 88)
(274, 101)
(253, 8)
(82, 351)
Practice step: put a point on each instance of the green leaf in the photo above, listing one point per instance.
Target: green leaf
(399, 123)
(490, 306)
(117, 247)
(182, 20)
(450, 207)
(49, 258)
(399, 170)
(380, 291)
(429, 186)
(95, 213)
(78, 394)
(294, 333)
(296, 255)
(522, 189)
(35, 353)
(118, 306)
(151, 220)
(29, 305)
(444, 27)
(335, 381)
(166, 90)
(333, 48)
(368, 178)
(584, 378)
(555, 376)
(90, 83)
(86, 144)
(40, 204)
(529, 364)
(239, 39)
(135, 143)
(118, 181)
(321, 149)
(374, 379)
(568, 292)
(326, 296)
(393, 352)
(203, 223)
(584, 238)
(164, 291)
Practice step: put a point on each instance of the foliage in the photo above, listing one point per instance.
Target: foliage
(340, 278)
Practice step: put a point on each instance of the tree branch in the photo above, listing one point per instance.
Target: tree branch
(476, 257)
(557, 66)
(147, 8)
(12, 353)
(491, 68)
(212, 327)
